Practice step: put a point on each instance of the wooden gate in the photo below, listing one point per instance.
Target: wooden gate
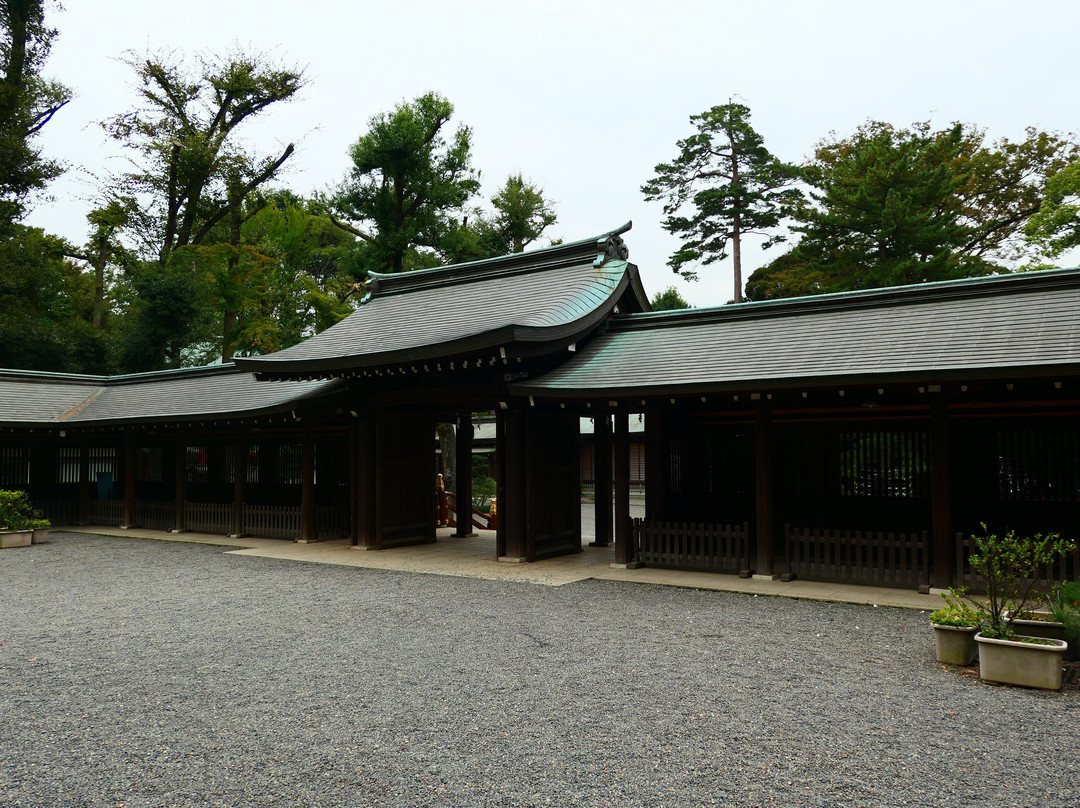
(553, 485)
(405, 478)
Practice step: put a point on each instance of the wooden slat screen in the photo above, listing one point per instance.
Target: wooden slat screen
(859, 556)
(674, 545)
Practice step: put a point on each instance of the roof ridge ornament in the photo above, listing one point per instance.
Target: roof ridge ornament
(612, 247)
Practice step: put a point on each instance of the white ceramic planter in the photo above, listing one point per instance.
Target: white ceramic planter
(955, 644)
(1050, 629)
(15, 538)
(1026, 664)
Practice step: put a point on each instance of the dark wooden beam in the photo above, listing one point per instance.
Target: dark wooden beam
(363, 488)
(180, 482)
(513, 504)
(240, 474)
(83, 516)
(655, 466)
(943, 543)
(763, 489)
(624, 534)
(130, 454)
(602, 477)
(307, 485)
(463, 473)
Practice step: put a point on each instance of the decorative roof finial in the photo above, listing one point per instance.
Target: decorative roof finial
(611, 247)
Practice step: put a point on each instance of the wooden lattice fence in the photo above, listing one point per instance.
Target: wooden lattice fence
(859, 556)
(692, 546)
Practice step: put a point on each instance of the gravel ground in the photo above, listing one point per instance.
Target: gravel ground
(139, 673)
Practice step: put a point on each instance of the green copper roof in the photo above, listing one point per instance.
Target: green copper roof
(558, 293)
(989, 327)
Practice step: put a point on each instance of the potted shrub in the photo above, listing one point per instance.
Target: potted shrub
(15, 516)
(40, 526)
(1011, 566)
(955, 625)
(1063, 604)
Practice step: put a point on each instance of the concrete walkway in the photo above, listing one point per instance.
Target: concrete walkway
(475, 558)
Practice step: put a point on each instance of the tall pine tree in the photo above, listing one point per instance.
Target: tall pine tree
(723, 185)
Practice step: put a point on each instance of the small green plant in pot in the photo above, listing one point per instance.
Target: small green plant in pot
(1064, 604)
(955, 625)
(1012, 565)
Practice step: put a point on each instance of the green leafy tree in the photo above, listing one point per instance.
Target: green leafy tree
(885, 209)
(723, 185)
(669, 300)
(186, 195)
(310, 278)
(1055, 227)
(522, 214)
(44, 306)
(891, 206)
(408, 187)
(520, 217)
(27, 103)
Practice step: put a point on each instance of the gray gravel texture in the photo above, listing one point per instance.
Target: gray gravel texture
(144, 673)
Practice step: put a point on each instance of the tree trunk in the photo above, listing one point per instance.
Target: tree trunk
(99, 281)
(448, 457)
(736, 222)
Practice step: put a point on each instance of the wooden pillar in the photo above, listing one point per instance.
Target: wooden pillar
(83, 516)
(763, 489)
(180, 482)
(656, 476)
(130, 454)
(307, 485)
(463, 472)
(364, 499)
(513, 524)
(602, 477)
(624, 534)
(240, 475)
(944, 549)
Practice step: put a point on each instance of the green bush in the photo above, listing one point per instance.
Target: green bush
(956, 612)
(1064, 603)
(1012, 566)
(16, 512)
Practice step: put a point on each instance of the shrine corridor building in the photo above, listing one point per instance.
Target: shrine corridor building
(858, 437)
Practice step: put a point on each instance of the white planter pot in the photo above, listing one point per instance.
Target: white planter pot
(955, 644)
(1050, 629)
(41, 535)
(15, 538)
(1021, 663)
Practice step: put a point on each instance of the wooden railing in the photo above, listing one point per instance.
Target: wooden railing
(155, 514)
(446, 512)
(676, 545)
(208, 517)
(859, 556)
(59, 511)
(105, 511)
(331, 521)
(272, 521)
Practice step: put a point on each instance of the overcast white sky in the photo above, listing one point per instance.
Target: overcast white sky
(584, 97)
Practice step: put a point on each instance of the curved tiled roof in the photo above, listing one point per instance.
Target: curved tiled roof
(541, 296)
(1011, 325)
(28, 398)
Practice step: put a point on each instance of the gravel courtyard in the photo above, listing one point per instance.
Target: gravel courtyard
(146, 673)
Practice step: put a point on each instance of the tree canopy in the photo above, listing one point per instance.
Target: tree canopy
(28, 101)
(892, 206)
(669, 300)
(1055, 227)
(723, 184)
(408, 186)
